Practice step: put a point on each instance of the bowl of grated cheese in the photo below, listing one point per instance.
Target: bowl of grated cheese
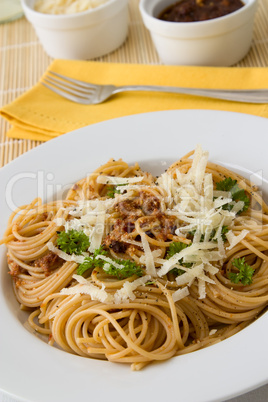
(78, 29)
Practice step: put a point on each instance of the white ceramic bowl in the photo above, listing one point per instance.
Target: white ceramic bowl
(221, 41)
(84, 35)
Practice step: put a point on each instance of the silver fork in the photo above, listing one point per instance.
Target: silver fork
(92, 94)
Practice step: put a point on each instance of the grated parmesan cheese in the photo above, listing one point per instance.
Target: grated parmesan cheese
(190, 274)
(191, 198)
(85, 287)
(234, 240)
(98, 231)
(212, 332)
(59, 221)
(191, 250)
(125, 294)
(66, 6)
(110, 262)
(156, 254)
(89, 216)
(149, 258)
(180, 294)
(79, 259)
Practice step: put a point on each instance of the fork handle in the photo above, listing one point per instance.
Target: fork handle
(247, 96)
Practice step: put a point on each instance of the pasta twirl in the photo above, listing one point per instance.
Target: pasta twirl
(132, 268)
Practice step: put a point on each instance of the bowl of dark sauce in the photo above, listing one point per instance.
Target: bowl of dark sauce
(199, 10)
(200, 32)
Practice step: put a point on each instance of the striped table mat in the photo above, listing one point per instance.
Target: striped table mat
(23, 61)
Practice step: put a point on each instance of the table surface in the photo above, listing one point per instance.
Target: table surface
(23, 61)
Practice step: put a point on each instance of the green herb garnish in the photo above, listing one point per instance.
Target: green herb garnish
(112, 190)
(174, 248)
(226, 185)
(224, 230)
(129, 268)
(237, 193)
(92, 262)
(150, 283)
(73, 242)
(245, 274)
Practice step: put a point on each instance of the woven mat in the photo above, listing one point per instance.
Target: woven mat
(23, 61)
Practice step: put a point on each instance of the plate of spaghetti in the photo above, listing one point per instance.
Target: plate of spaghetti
(134, 250)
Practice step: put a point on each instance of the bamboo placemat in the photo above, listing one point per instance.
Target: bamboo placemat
(23, 61)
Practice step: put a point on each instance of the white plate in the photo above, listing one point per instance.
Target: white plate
(32, 370)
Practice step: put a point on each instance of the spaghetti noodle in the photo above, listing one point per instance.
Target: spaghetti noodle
(133, 269)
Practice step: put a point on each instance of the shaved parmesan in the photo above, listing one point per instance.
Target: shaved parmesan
(234, 240)
(192, 199)
(98, 231)
(238, 206)
(223, 194)
(220, 201)
(199, 167)
(190, 274)
(180, 294)
(201, 288)
(125, 294)
(89, 216)
(59, 221)
(155, 254)
(109, 261)
(149, 258)
(85, 287)
(169, 185)
(212, 332)
(66, 6)
(191, 250)
(78, 259)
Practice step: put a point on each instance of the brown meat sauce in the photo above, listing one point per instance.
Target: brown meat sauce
(146, 207)
(199, 10)
(48, 262)
(15, 269)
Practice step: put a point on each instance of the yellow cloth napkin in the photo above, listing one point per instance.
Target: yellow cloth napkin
(39, 114)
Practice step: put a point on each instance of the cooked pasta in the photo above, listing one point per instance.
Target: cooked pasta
(134, 269)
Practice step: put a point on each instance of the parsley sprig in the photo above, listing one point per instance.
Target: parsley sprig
(112, 190)
(73, 242)
(129, 268)
(174, 248)
(224, 230)
(245, 274)
(92, 261)
(237, 193)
